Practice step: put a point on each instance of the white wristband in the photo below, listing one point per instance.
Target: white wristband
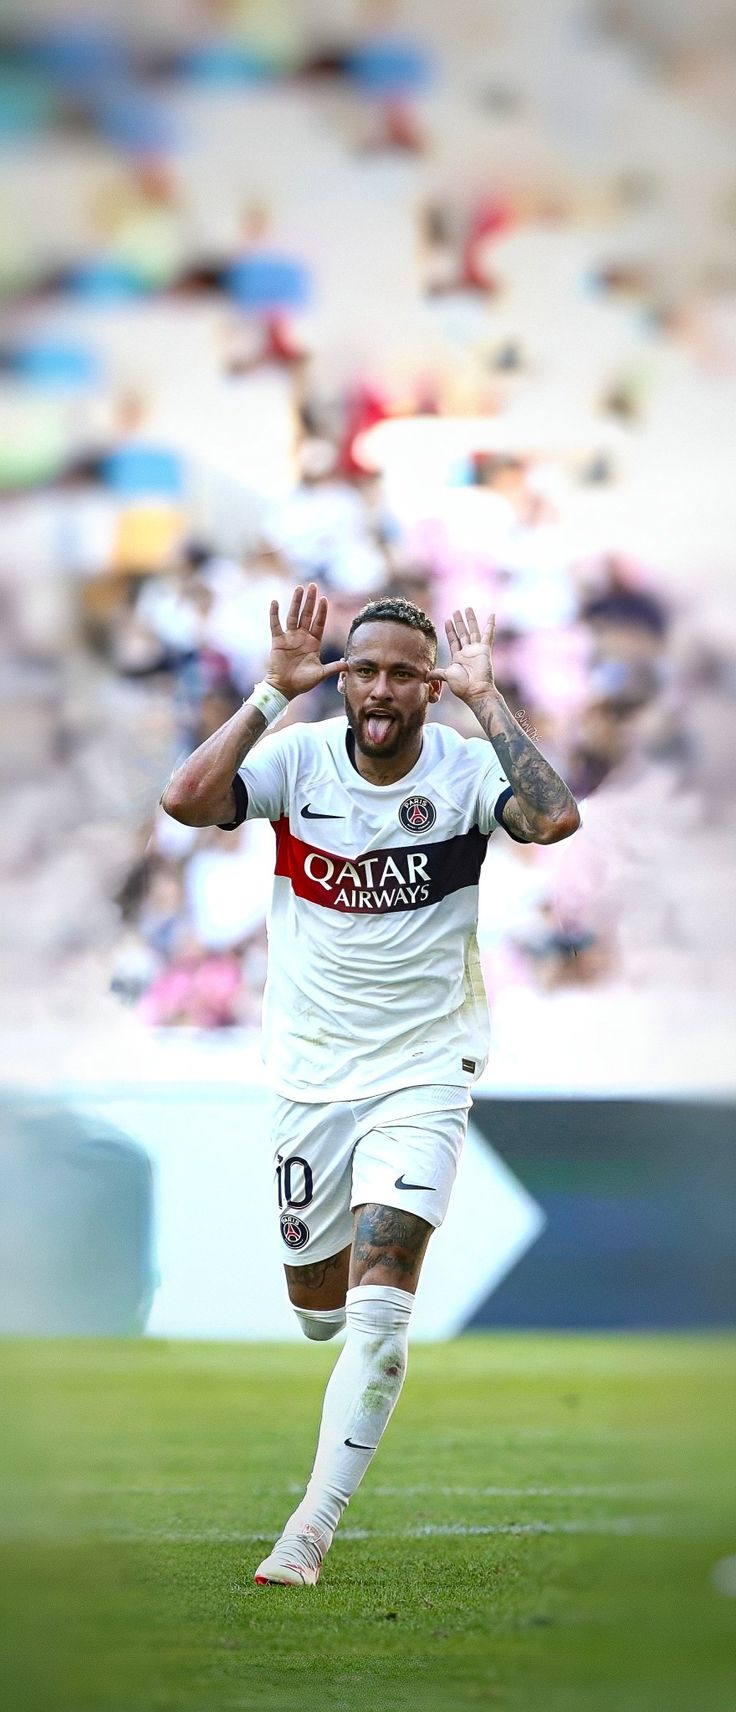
(269, 701)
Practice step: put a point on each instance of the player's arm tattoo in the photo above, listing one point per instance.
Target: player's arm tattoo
(516, 823)
(389, 1238)
(547, 808)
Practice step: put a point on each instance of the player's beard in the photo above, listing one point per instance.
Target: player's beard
(406, 729)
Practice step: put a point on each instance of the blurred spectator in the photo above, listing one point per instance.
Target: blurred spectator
(388, 70)
(623, 614)
(197, 990)
(459, 248)
(322, 529)
(562, 957)
(140, 223)
(270, 288)
(601, 742)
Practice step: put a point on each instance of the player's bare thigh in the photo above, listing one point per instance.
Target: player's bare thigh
(321, 1283)
(388, 1247)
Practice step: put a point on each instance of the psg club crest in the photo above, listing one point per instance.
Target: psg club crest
(417, 814)
(293, 1230)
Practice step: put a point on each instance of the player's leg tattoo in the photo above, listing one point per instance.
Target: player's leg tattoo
(389, 1246)
(321, 1283)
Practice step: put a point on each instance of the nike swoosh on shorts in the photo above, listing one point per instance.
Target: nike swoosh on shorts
(310, 815)
(400, 1184)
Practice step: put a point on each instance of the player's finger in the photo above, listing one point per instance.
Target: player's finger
(320, 617)
(452, 637)
(489, 630)
(333, 666)
(461, 627)
(473, 625)
(437, 672)
(292, 616)
(274, 620)
(307, 613)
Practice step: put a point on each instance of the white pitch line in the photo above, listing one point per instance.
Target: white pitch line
(629, 1490)
(631, 1526)
(94, 1489)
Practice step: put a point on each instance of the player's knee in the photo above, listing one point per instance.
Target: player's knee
(320, 1324)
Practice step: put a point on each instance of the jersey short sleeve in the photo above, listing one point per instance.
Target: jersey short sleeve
(261, 784)
(493, 787)
(265, 774)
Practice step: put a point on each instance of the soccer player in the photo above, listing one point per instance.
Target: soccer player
(375, 1022)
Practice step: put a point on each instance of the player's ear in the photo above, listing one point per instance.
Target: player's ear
(341, 683)
(435, 689)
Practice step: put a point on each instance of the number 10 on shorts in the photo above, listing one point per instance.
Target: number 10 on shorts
(294, 1182)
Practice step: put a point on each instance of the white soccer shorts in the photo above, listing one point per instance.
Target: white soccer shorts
(398, 1150)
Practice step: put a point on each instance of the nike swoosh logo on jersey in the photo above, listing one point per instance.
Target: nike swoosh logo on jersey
(310, 815)
(400, 1184)
(354, 1446)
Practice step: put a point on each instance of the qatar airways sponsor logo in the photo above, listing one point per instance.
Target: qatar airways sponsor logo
(389, 879)
(379, 882)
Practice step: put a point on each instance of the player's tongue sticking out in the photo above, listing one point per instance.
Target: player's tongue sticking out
(378, 726)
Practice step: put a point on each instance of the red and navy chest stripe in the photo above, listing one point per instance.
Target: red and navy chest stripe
(407, 877)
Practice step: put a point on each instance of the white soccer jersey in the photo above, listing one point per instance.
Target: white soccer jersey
(374, 978)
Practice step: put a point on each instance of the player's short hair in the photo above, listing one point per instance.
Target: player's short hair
(395, 610)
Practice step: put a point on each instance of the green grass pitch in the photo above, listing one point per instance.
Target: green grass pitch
(538, 1531)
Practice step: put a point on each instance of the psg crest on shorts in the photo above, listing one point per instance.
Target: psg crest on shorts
(293, 1230)
(417, 814)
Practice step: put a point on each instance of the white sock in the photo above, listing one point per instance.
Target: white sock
(360, 1398)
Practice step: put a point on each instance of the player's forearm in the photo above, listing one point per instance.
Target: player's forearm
(200, 790)
(543, 797)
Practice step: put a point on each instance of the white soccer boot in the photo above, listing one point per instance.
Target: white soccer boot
(296, 1561)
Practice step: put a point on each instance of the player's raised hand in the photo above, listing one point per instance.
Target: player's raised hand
(470, 672)
(294, 665)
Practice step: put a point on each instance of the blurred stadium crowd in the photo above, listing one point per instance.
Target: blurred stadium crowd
(416, 299)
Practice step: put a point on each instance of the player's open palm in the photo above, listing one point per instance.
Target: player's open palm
(470, 672)
(294, 665)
